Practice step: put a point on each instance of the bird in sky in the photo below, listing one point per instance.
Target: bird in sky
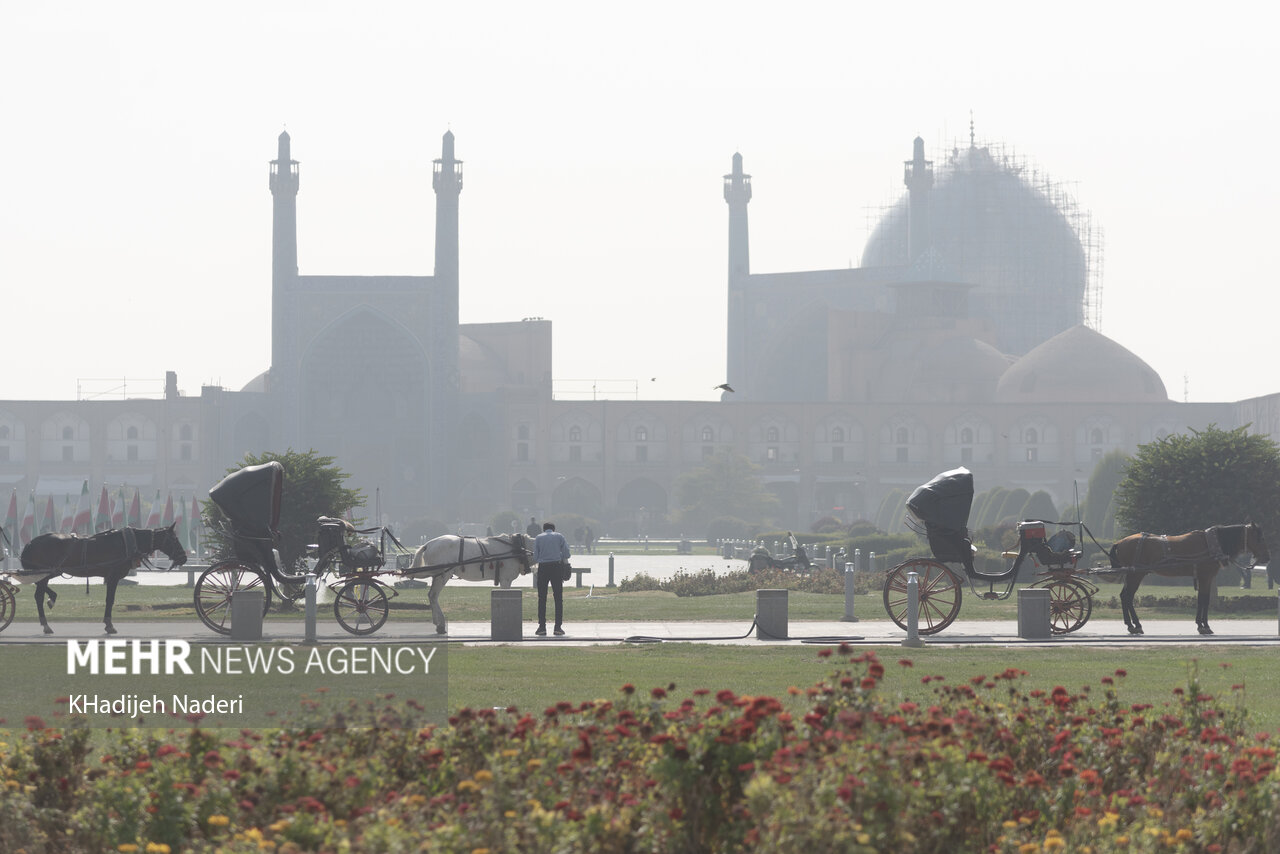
(724, 387)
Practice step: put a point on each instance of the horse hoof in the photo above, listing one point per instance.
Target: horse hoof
(111, 630)
(48, 631)
(441, 630)
(1205, 630)
(1135, 630)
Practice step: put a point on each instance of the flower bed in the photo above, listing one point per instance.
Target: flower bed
(989, 765)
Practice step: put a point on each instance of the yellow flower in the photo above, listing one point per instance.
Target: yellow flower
(1009, 824)
(468, 786)
(510, 753)
(864, 838)
(479, 851)
(127, 848)
(483, 775)
(157, 848)
(1028, 848)
(1054, 842)
(535, 763)
(1122, 839)
(219, 821)
(278, 826)
(509, 814)
(253, 833)
(1184, 835)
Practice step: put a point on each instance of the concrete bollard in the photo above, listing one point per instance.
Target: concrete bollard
(246, 614)
(913, 610)
(611, 584)
(771, 615)
(506, 615)
(1033, 613)
(309, 622)
(848, 595)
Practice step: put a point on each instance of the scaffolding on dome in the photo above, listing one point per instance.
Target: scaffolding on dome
(1020, 237)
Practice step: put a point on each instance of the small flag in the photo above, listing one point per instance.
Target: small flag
(49, 519)
(117, 509)
(134, 519)
(167, 518)
(27, 532)
(68, 516)
(153, 515)
(83, 523)
(102, 522)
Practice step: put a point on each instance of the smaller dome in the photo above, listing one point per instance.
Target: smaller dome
(935, 367)
(1080, 366)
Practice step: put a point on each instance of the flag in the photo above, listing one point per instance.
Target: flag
(153, 515)
(27, 532)
(68, 515)
(11, 520)
(49, 518)
(102, 522)
(117, 509)
(134, 519)
(83, 523)
(167, 519)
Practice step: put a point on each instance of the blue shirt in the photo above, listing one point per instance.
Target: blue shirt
(550, 546)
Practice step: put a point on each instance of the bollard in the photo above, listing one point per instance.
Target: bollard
(611, 584)
(506, 615)
(771, 615)
(857, 560)
(309, 633)
(246, 614)
(871, 561)
(913, 610)
(1033, 613)
(848, 595)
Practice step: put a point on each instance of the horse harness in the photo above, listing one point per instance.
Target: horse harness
(79, 548)
(484, 558)
(1213, 550)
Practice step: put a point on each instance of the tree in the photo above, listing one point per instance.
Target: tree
(1040, 506)
(312, 488)
(727, 484)
(1106, 476)
(1210, 477)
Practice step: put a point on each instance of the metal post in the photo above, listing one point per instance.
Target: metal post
(848, 595)
(871, 561)
(913, 610)
(309, 633)
(611, 584)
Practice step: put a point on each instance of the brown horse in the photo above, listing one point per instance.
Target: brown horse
(1199, 554)
(109, 555)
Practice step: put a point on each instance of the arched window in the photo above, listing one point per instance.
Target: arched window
(708, 435)
(837, 434)
(966, 436)
(901, 436)
(771, 435)
(522, 432)
(1095, 436)
(1031, 436)
(642, 434)
(68, 433)
(131, 433)
(575, 433)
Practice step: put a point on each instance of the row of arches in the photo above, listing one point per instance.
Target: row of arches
(67, 437)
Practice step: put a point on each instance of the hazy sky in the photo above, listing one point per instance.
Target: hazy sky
(135, 219)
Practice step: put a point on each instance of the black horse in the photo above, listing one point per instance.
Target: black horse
(110, 555)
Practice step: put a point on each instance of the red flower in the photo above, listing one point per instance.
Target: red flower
(658, 693)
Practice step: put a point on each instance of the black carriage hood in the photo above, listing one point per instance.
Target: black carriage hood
(945, 500)
(251, 497)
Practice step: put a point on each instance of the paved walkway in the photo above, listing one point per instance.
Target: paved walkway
(1257, 632)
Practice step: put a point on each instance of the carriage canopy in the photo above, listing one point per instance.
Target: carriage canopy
(251, 498)
(944, 501)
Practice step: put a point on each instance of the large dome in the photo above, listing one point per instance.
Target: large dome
(1080, 366)
(1016, 242)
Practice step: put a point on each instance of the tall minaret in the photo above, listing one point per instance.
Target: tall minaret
(737, 192)
(284, 244)
(443, 346)
(918, 176)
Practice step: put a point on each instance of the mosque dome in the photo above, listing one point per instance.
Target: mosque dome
(950, 367)
(1016, 239)
(1080, 366)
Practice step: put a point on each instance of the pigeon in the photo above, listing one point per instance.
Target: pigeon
(724, 387)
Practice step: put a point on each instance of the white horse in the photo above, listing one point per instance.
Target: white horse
(497, 560)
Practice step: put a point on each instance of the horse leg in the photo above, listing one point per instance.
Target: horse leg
(42, 590)
(1131, 582)
(1205, 586)
(437, 615)
(112, 581)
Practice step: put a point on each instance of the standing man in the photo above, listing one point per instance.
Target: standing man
(551, 553)
(532, 529)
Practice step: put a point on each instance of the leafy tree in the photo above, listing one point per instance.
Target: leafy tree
(1106, 476)
(1012, 506)
(990, 516)
(1210, 477)
(890, 509)
(1039, 506)
(727, 484)
(312, 488)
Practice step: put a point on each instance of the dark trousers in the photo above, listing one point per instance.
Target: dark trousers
(550, 572)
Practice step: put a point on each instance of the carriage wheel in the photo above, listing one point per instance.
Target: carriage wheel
(214, 589)
(939, 589)
(8, 604)
(361, 606)
(1070, 605)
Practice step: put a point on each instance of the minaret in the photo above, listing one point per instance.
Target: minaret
(918, 176)
(737, 192)
(284, 244)
(442, 431)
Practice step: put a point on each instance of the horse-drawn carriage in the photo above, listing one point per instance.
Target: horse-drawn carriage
(353, 568)
(797, 561)
(940, 510)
